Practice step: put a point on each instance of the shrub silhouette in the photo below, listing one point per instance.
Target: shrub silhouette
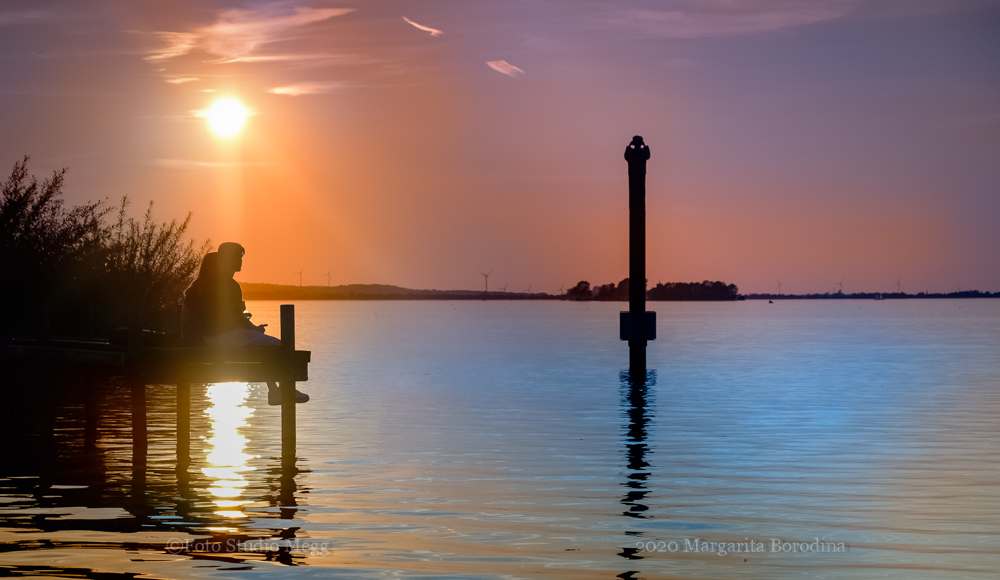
(87, 274)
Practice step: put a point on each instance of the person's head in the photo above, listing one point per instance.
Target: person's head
(208, 274)
(209, 266)
(231, 257)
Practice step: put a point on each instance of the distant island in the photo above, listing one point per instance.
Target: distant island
(255, 291)
(707, 291)
(678, 291)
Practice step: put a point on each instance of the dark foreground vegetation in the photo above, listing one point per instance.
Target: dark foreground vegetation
(88, 269)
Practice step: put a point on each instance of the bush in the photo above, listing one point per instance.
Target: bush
(85, 273)
(149, 264)
(38, 236)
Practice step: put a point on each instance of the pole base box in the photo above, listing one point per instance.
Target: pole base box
(625, 325)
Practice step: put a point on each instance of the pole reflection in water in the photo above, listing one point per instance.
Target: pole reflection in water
(635, 401)
(226, 461)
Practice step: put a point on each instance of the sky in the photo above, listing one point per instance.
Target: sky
(825, 144)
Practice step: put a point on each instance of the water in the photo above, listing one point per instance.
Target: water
(502, 440)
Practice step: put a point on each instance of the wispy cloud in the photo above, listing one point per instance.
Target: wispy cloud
(203, 113)
(306, 59)
(194, 164)
(238, 33)
(57, 92)
(309, 88)
(504, 67)
(177, 44)
(433, 31)
(20, 17)
(706, 18)
(181, 80)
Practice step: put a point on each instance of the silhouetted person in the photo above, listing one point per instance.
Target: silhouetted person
(194, 313)
(214, 313)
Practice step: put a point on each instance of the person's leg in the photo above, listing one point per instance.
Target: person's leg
(274, 394)
(244, 337)
(241, 338)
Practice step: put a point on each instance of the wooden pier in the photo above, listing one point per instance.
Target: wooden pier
(141, 365)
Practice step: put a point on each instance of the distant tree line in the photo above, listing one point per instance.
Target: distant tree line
(694, 291)
(89, 268)
(678, 291)
(255, 291)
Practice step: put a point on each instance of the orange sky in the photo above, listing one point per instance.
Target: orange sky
(806, 142)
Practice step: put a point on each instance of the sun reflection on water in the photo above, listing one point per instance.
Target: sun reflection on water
(227, 461)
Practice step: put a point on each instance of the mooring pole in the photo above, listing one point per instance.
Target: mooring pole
(287, 387)
(636, 154)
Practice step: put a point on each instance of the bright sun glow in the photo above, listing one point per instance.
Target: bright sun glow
(227, 459)
(226, 117)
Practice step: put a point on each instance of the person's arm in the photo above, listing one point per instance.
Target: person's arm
(244, 321)
(192, 316)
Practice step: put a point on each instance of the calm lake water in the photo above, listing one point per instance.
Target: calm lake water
(830, 439)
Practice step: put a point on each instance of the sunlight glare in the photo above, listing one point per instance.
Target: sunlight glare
(227, 460)
(226, 117)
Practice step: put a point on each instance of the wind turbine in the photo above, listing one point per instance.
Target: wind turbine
(562, 288)
(300, 277)
(898, 285)
(840, 286)
(529, 289)
(328, 278)
(504, 287)
(487, 277)
(779, 287)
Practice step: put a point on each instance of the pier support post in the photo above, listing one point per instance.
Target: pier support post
(139, 438)
(45, 323)
(91, 414)
(137, 391)
(183, 425)
(287, 388)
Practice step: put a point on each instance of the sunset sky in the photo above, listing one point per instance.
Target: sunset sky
(418, 143)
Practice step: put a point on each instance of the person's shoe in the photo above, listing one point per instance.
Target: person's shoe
(274, 396)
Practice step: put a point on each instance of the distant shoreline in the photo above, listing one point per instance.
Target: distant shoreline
(258, 291)
(874, 296)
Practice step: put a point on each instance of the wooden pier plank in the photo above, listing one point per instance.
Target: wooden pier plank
(170, 365)
(174, 365)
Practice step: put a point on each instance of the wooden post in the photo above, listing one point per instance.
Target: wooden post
(287, 506)
(287, 387)
(90, 324)
(91, 414)
(137, 388)
(183, 425)
(43, 414)
(45, 322)
(134, 330)
(139, 438)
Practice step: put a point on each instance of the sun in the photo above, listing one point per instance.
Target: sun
(226, 117)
